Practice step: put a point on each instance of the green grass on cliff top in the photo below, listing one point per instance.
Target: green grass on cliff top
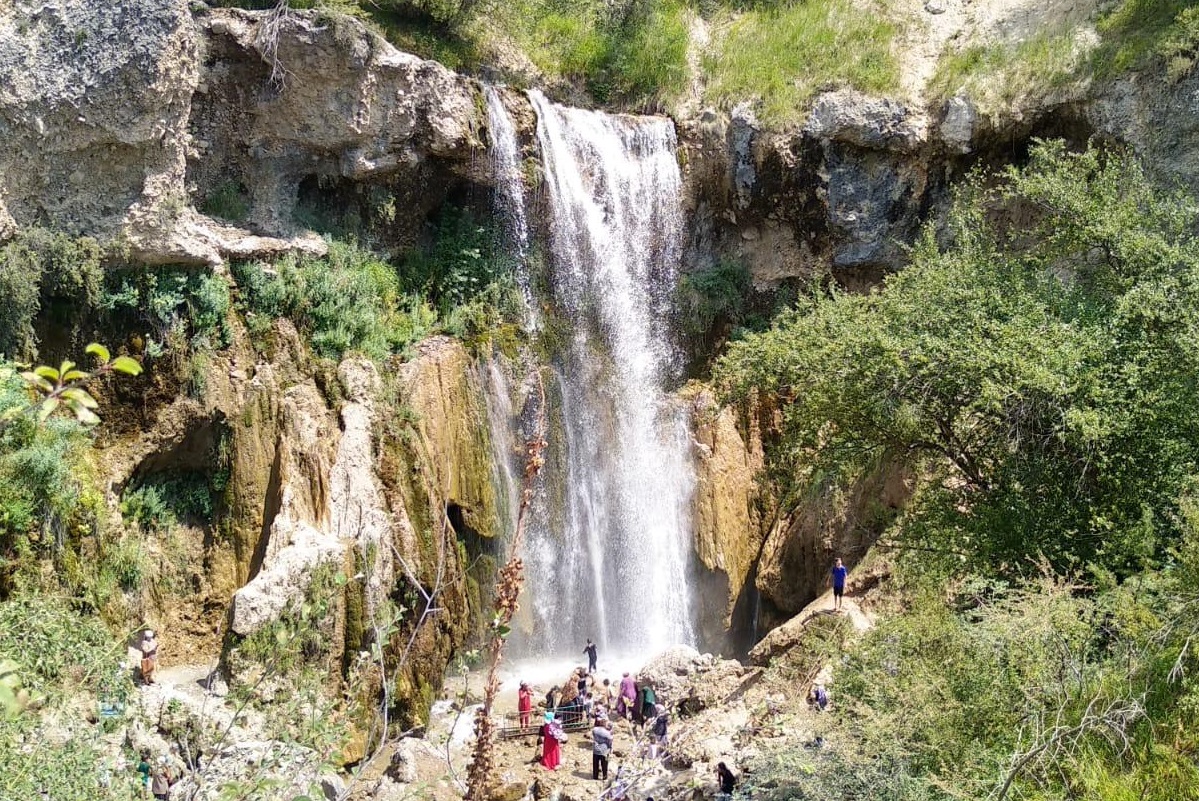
(1159, 36)
(782, 56)
(633, 54)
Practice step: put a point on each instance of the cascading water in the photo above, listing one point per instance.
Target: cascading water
(510, 189)
(609, 559)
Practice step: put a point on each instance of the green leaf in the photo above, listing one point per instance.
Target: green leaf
(85, 416)
(66, 367)
(46, 409)
(80, 396)
(99, 351)
(503, 631)
(46, 371)
(38, 382)
(76, 375)
(126, 365)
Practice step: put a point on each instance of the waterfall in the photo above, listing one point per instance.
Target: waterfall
(510, 190)
(609, 558)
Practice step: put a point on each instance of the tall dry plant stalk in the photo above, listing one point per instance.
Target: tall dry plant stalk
(479, 776)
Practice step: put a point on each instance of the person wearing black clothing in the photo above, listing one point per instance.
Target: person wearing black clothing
(727, 780)
(591, 656)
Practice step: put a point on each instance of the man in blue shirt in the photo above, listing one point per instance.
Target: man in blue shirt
(839, 573)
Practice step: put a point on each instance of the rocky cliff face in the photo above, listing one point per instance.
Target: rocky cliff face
(332, 469)
(122, 119)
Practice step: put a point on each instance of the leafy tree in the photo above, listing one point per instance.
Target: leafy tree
(1038, 370)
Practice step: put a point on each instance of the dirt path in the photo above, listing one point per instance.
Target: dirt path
(188, 686)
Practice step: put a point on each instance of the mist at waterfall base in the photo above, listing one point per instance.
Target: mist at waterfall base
(609, 549)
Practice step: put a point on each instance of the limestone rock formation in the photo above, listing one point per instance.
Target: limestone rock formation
(728, 530)
(120, 119)
(800, 548)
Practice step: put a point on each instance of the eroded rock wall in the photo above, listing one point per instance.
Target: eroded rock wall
(728, 525)
(121, 119)
(335, 470)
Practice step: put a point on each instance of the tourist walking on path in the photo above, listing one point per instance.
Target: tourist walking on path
(628, 694)
(524, 703)
(601, 747)
(143, 772)
(727, 781)
(839, 573)
(160, 785)
(659, 731)
(819, 697)
(591, 656)
(550, 739)
(149, 649)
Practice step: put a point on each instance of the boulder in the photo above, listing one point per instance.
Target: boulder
(509, 791)
(875, 123)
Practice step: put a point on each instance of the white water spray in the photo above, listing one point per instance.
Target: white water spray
(611, 557)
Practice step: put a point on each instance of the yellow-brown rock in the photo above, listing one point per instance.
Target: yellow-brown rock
(728, 531)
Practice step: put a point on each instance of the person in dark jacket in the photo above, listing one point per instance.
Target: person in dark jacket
(727, 781)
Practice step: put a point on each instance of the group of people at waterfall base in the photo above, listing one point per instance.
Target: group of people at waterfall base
(586, 700)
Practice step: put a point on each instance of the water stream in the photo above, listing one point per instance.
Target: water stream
(611, 557)
(610, 546)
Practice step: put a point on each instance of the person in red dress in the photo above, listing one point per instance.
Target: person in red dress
(524, 703)
(551, 748)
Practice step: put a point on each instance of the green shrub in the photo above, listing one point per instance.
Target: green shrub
(39, 267)
(228, 201)
(1001, 74)
(145, 507)
(463, 261)
(349, 301)
(184, 308)
(635, 53)
(1135, 31)
(46, 493)
(158, 503)
(61, 652)
(1045, 416)
(64, 658)
(714, 295)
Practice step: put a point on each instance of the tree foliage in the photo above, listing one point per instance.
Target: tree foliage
(1036, 364)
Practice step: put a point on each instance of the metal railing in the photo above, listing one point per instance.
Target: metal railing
(571, 718)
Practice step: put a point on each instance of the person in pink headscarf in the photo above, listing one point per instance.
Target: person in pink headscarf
(628, 693)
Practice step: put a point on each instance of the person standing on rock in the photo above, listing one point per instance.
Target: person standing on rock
(160, 785)
(819, 697)
(659, 732)
(727, 781)
(628, 694)
(601, 747)
(524, 703)
(143, 771)
(605, 694)
(839, 573)
(149, 649)
(591, 656)
(649, 702)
